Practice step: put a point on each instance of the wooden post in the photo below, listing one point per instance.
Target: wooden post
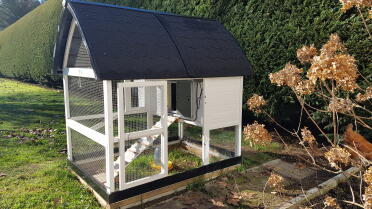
(107, 92)
(238, 140)
(67, 116)
(238, 128)
(205, 146)
(164, 136)
(121, 134)
(180, 129)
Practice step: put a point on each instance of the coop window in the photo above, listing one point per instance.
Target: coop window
(134, 96)
(185, 98)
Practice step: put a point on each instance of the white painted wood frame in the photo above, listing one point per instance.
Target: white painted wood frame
(238, 128)
(109, 135)
(205, 146)
(80, 72)
(180, 129)
(206, 131)
(122, 135)
(68, 43)
(164, 136)
(86, 131)
(67, 116)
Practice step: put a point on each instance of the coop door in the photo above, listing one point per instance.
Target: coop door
(183, 98)
(134, 99)
(142, 130)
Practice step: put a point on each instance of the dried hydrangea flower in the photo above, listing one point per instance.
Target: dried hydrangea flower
(331, 202)
(367, 197)
(255, 103)
(307, 136)
(306, 53)
(337, 156)
(334, 64)
(275, 181)
(366, 96)
(257, 133)
(341, 105)
(340, 68)
(348, 4)
(367, 177)
(304, 87)
(290, 76)
(332, 47)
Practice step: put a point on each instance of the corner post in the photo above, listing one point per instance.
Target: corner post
(180, 129)
(67, 116)
(238, 128)
(121, 134)
(164, 136)
(238, 140)
(205, 146)
(109, 135)
(205, 125)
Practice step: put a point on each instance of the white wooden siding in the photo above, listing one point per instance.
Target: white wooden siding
(222, 104)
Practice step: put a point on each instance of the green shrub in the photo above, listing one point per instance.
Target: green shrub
(26, 47)
(270, 32)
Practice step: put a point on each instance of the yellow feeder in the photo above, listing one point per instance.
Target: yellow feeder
(158, 167)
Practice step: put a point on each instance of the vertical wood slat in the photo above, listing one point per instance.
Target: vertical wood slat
(121, 130)
(205, 146)
(238, 128)
(206, 131)
(107, 92)
(164, 136)
(67, 116)
(180, 129)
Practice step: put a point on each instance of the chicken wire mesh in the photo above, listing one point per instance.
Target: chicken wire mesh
(222, 144)
(89, 157)
(143, 165)
(86, 102)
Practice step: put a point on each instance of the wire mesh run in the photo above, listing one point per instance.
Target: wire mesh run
(222, 144)
(144, 164)
(89, 156)
(86, 102)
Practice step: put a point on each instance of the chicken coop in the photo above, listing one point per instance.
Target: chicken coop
(151, 99)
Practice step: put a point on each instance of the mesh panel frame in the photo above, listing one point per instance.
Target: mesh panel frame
(89, 156)
(85, 99)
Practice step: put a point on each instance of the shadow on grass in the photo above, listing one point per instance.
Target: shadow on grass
(29, 106)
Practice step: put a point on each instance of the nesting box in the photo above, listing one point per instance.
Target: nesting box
(139, 84)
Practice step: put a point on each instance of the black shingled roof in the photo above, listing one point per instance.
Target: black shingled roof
(126, 43)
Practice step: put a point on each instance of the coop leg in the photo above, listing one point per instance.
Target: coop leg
(107, 92)
(180, 129)
(67, 115)
(238, 140)
(205, 146)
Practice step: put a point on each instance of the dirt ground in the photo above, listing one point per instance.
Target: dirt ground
(248, 188)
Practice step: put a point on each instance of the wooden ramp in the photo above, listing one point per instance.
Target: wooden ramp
(141, 145)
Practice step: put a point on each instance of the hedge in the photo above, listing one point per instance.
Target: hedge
(26, 47)
(268, 31)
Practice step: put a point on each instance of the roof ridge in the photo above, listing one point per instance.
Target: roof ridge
(174, 43)
(137, 9)
(120, 7)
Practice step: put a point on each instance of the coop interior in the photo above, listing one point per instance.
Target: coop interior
(157, 130)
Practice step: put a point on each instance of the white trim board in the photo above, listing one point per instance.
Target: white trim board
(86, 131)
(80, 72)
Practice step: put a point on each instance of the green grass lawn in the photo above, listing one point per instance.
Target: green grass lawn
(33, 172)
(33, 166)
